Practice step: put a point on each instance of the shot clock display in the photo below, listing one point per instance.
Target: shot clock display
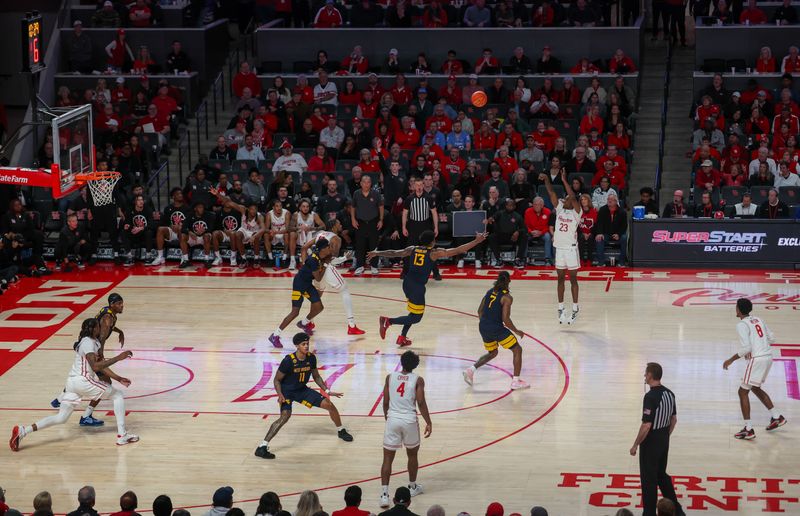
(32, 43)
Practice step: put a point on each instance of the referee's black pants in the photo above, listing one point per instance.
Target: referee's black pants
(415, 229)
(653, 455)
(366, 239)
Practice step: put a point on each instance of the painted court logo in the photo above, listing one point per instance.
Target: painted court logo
(713, 241)
(726, 296)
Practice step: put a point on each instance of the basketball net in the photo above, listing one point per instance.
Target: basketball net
(101, 185)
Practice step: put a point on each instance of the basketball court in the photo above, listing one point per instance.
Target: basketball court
(202, 395)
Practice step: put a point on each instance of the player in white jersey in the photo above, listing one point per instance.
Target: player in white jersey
(277, 222)
(403, 392)
(83, 382)
(565, 242)
(756, 346)
(332, 281)
(250, 231)
(302, 226)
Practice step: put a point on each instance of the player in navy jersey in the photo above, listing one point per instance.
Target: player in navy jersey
(496, 330)
(303, 287)
(290, 383)
(421, 263)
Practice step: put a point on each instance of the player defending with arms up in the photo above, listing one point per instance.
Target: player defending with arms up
(756, 340)
(302, 286)
(83, 382)
(565, 241)
(331, 280)
(402, 393)
(423, 258)
(495, 326)
(290, 382)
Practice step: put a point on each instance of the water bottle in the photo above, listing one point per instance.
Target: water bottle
(278, 260)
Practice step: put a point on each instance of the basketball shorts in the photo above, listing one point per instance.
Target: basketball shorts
(398, 434)
(415, 297)
(278, 239)
(494, 337)
(84, 388)
(301, 290)
(303, 237)
(195, 240)
(305, 396)
(755, 374)
(247, 236)
(173, 236)
(331, 281)
(567, 258)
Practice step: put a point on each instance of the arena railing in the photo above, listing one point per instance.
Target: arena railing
(218, 93)
(159, 178)
(663, 131)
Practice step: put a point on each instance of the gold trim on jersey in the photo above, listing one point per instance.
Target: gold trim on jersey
(415, 309)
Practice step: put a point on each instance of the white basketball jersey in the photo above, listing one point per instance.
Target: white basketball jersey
(81, 367)
(566, 227)
(250, 226)
(403, 397)
(327, 235)
(754, 337)
(277, 222)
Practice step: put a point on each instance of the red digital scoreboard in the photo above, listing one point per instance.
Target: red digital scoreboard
(32, 43)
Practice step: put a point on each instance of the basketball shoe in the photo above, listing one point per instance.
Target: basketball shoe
(746, 434)
(519, 384)
(776, 422)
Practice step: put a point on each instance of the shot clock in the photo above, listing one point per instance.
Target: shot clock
(32, 43)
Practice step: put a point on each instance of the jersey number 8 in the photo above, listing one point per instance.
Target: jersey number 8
(759, 330)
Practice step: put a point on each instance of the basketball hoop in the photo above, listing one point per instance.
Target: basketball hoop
(101, 184)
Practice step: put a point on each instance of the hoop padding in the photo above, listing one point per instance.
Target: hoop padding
(101, 185)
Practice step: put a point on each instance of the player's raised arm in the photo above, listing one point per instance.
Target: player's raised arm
(506, 303)
(423, 406)
(226, 201)
(446, 253)
(567, 187)
(553, 197)
(402, 253)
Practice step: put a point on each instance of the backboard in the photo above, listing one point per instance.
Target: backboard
(73, 147)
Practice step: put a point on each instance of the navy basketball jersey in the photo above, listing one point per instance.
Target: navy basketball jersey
(493, 308)
(421, 264)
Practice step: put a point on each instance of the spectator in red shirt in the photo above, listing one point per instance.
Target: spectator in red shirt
(545, 137)
(320, 161)
(453, 165)
(401, 93)
(451, 92)
(166, 105)
(621, 63)
(619, 137)
(140, 14)
(765, 62)
(785, 117)
(368, 107)
(508, 165)
(487, 64)
(707, 177)
(752, 15)
(302, 87)
(407, 137)
(434, 16)
(452, 66)
(585, 66)
(120, 93)
(616, 159)
(544, 15)
(791, 63)
(159, 122)
(537, 219)
(355, 63)
(328, 17)
(245, 77)
(352, 500)
(484, 139)
(440, 117)
(570, 94)
(510, 134)
(128, 503)
(616, 177)
(592, 120)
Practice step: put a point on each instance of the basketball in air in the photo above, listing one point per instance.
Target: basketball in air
(479, 99)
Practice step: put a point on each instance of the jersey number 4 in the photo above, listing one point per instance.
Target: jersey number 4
(759, 330)
(401, 389)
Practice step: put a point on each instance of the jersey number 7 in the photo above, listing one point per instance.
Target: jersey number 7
(492, 299)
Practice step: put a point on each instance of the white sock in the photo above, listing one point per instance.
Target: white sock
(160, 253)
(515, 379)
(412, 485)
(347, 301)
(88, 412)
(304, 321)
(351, 322)
(560, 306)
(747, 424)
(269, 255)
(574, 307)
(119, 413)
(339, 428)
(26, 430)
(775, 413)
(277, 332)
(472, 368)
(184, 257)
(217, 254)
(264, 443)
(385, 490)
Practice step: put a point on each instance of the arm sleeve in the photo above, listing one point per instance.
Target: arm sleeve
(744, 338)
(650, 404)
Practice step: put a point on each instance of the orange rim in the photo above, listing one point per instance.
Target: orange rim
(97, 176)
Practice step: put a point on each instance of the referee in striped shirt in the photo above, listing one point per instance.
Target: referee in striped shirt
(659, 417)
(419, 214)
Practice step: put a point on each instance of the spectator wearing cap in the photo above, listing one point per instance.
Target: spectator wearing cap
(178, 60)
(752, 15)
(119, 54)
(422, 103)
(246, 79)
(707, 177)
(328, 17)
(519, 63)
(106, 16)
(365, 14)
(120, 93)
(86, 501)
(580, 14)
(487, 64)
(452, 65)
(478, 15)
(289, 160)
(222, 502)
(532, 153)
(544, 15)
(79, 49)
(402, 500)
(495, 509)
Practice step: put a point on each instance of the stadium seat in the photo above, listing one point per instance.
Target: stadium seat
(760, 194)
(732, 194)
(345, 164)
(789, 194)
(243, 165)
(223, 165)
(713, 65)
(271, 67)
(302, 66)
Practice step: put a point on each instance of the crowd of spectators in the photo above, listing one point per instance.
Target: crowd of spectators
(744, 152)
(724, 12)
(446, 13)
(270, 504)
